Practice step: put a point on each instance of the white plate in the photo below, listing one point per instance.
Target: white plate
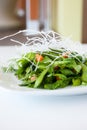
(9, 82)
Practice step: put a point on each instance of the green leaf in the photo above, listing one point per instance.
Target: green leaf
(76, 81)
(40, 78)
(84, 73)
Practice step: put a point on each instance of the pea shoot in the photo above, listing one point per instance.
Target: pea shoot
(50, 69)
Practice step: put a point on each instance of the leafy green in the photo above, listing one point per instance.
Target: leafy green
(57, 69)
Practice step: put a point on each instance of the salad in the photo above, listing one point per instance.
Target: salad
(50, 69)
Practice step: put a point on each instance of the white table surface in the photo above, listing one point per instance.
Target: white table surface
(21, 111)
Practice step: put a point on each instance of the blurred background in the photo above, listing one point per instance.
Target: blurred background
(67, 17)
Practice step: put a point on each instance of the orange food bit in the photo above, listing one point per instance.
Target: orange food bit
(57, 78)
(39, 57)
(33, 78)
(56, 68)
(65, 55)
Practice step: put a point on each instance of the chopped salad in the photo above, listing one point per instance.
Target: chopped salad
(51, 69)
